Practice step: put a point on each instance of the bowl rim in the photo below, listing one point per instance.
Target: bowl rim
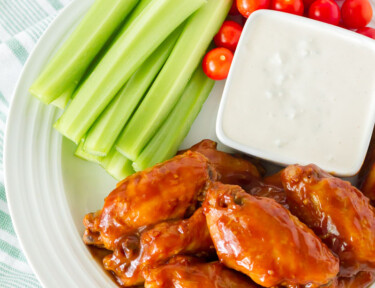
(273, 157)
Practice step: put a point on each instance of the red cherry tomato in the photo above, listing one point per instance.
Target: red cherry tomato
(367, 31)
(326, 11)
(356, 13)
(289, 6)
(216, 63)
(246, 7)
(228, 35)
(233, 10)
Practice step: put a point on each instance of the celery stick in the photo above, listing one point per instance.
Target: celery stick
(166, 141)
(64, 71)
(159, 19)
(136, 12)
(117, 165)
(62, 100)
(81, 153)
(103, 134)
(168, 86)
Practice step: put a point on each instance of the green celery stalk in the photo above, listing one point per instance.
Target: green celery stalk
(63, 73)
(173, 78)
(166, 141)
(62, 100)
(81, 153)
(159, 19)
(136, 12)
(118, 166)
(115, 163)
(103, 134)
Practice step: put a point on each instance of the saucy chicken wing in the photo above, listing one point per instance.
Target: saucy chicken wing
(337, 212)
(231, 169)
(239, 171)
(170, 190)
(187, 273)
(158, 244)
(260, 238)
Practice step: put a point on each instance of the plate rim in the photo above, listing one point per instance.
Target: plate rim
(62, 22)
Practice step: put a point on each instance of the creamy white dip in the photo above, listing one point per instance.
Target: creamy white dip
(302, 92)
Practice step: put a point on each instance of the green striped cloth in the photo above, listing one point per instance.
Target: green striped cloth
(21, 24)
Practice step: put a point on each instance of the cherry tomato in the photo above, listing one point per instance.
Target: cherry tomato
(289, 6)
(233, 10)
(356, 13)
(216, 63)
(228, 35)
(326, 11)
(246, 7)
(367, 31)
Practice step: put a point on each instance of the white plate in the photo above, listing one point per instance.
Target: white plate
(48, 189)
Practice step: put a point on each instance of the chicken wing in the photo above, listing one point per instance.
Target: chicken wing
(239, 171)
(170, 190)
(188, 273)
(231, 169)
(260, 238)
(158, 244)
(337, 212)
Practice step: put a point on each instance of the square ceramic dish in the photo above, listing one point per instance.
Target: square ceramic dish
(300, 91)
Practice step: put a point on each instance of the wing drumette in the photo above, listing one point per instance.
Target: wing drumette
(157, 245)
(170, 190)
(260, 238)
(239, 171)
(231, 169)
(189, 273)
(337, 212)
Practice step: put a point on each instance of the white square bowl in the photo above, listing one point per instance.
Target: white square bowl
(364, 111)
